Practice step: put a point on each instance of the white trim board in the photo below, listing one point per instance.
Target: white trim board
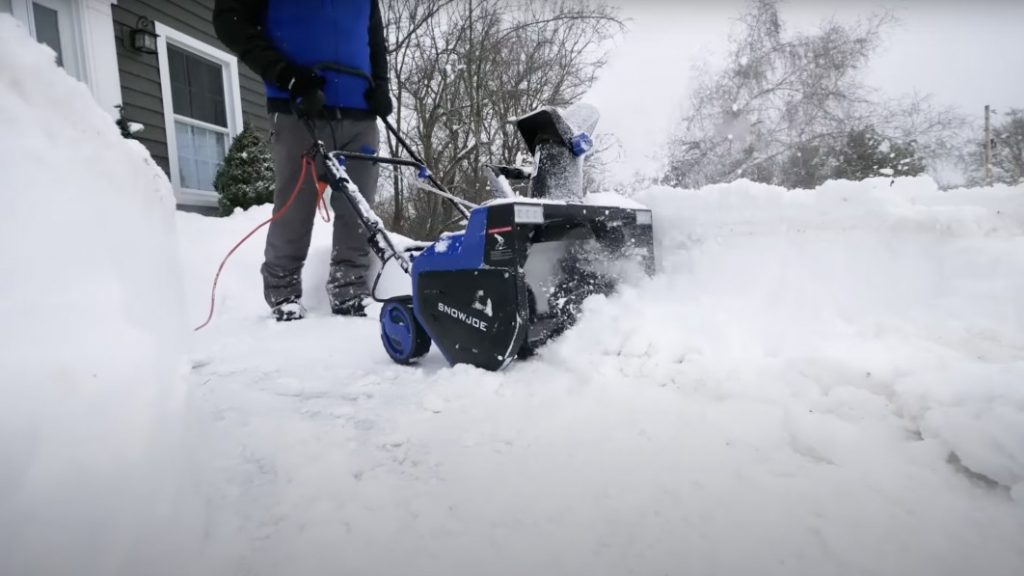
(233, 100)
(100, 56)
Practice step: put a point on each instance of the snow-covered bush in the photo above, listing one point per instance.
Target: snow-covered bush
(246, 178)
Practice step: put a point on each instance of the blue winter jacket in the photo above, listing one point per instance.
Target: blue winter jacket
(267, 34)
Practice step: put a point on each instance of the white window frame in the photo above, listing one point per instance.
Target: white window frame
(94, 58)
(72, 33)
(233, 101)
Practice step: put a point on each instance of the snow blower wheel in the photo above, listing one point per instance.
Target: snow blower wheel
(404, 339)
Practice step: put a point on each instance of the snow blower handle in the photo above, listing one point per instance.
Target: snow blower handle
(429, 174)
(425, 170)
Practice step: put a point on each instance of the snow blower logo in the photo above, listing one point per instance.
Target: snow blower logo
(462, 316)
(499, 249)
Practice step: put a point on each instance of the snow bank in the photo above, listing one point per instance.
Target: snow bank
(817, 382)
(916, 289)
(91, 373)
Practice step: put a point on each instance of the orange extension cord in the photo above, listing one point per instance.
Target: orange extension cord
(308, 165)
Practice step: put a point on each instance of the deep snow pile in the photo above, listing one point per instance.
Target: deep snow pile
(92, 372)
(817, 382)
(917, 288)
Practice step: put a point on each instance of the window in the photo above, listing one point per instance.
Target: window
(81, 35)
(200, 117)
(48, 29)
(51, 22)
(202, 110)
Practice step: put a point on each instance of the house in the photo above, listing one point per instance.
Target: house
(190, 94)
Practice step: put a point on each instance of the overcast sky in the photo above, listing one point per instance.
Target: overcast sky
(966, 54)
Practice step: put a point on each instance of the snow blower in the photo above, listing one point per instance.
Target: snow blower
(516, 276)
(519, 271)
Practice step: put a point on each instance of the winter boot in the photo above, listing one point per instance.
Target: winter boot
(289, 310)
(352, 307)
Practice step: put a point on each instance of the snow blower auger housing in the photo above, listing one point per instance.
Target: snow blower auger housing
(516, 275)
(475, 296)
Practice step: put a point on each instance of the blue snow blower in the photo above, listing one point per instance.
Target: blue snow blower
(516, 276)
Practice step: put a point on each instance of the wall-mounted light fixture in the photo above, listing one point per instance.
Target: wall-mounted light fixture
(142, 38)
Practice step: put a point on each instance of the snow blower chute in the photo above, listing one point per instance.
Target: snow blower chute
(516, 275)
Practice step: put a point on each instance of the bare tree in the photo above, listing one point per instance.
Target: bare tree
(779, 97)
(462, 69)
(938, 133)
(404, 19)
(1007, 151)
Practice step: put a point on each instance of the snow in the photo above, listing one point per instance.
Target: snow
(503, 187)
(612, 199)
(582, 117)
(444, 242)
(817, 382)
(608, 199)
(523, 200)
(93, 469)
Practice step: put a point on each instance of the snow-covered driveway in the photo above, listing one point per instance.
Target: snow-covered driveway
(826, 382)
(817, 382)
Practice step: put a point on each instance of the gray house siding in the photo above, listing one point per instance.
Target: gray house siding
(140, 73)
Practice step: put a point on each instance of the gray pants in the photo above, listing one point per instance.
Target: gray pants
(289, 236)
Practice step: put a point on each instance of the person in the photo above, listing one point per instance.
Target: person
(285, 42)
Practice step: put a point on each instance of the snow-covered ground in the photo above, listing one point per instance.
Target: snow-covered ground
(816, 382)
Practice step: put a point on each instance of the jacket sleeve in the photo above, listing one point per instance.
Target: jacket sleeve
(378, 45)
(239, 25)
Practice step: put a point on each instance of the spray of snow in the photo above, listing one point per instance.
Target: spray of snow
(503, 187)
(582, 117)
(92, 373)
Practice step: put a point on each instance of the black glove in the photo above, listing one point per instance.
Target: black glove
(305, 88)
(379, 99)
